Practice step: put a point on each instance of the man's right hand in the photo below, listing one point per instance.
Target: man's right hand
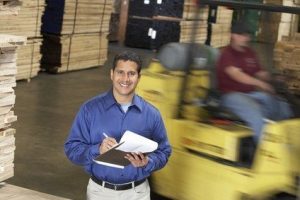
(107, 144)
(265, 87)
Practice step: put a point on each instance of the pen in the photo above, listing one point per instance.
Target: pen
(105, 135)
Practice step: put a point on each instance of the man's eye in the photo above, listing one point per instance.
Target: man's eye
(131, 73)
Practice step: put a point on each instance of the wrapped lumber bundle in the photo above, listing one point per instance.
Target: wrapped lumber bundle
(286, 59)
(186, 31)
(151, 33)
(275, 25)
(190, 15)
(75, 34)
(26, 23)
(73, 52)
(76, 16)
(219, 26)
(8, 70)
(191, 12)
(9, 7)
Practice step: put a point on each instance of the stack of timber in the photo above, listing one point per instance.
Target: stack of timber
(26, 23)
(193, 16)
(75, 34)
(220, 19)
(286, 59)
(114, 21)
(8, 70)
(155, 23)
(275, 25)
(9, 7)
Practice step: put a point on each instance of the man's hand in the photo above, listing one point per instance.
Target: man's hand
(107, 144)
(265, 87)
(137, 159)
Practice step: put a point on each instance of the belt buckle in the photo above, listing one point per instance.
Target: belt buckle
(115, 187)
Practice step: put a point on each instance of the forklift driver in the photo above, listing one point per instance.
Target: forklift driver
(244, 84)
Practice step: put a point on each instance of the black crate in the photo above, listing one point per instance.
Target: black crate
(151, 34)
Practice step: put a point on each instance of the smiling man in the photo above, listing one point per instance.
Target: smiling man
(100, 124)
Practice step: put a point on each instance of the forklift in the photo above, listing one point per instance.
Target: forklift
(215, 159)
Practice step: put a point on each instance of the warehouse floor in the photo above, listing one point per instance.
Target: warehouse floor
(46, 107)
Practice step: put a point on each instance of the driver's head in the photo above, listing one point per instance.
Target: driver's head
(240, 35)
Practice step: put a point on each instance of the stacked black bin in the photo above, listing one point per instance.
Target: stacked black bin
(145, 31)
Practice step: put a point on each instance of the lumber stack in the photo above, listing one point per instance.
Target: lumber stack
(26, 23)
(9, 7)
(74, 33)
(155, 23)
(219, 26)
(191, 16)
(275, 25)
(8, 70)
(286, 59)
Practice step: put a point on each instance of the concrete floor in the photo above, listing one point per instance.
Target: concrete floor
(46, 107)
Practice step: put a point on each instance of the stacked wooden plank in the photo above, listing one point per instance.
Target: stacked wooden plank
(9, 7)
(75, 34)
(190, 14)
(219, 28)
(8, 70)
(286, 59)
(26, 23)
(275, 25)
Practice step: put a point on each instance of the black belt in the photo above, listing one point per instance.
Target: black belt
(125, 186)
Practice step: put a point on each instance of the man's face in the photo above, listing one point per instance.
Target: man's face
(125, 78)
(241, 40)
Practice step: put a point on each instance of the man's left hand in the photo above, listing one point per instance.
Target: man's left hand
(137, 159)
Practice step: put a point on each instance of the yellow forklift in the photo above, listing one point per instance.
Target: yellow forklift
(216, 159)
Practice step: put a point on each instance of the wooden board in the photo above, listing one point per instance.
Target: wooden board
(7, 41)
(9, 7)
(11, 192)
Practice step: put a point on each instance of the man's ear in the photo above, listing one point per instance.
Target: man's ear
(111, 74)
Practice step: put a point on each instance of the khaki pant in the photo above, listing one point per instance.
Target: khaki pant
(97, 192)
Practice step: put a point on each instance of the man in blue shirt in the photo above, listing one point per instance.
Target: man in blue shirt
(100, 124)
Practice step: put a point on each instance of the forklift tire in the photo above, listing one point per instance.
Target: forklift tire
(284, 196)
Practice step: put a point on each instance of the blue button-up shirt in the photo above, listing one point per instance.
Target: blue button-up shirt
(103, 114)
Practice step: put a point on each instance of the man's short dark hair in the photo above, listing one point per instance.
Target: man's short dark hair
(240, 27)
(128, 55)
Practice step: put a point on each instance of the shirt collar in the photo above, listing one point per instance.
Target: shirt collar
(109, 101)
